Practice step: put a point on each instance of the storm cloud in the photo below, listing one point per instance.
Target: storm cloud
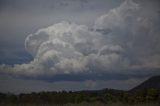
(120, 41)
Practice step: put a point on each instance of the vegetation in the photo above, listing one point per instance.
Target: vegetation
(94, 98)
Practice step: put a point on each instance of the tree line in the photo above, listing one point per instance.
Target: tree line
(64, 97)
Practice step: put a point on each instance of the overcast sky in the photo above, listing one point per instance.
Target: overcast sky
(78, 44)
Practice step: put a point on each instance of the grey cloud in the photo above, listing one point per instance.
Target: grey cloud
(30, 85)
(19, 18)
(133, 32)
(120, 41)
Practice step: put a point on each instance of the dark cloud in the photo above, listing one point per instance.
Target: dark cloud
(31, 85)
(97, 42)
(122, 38)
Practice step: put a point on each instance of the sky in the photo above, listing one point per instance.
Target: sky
(54, 45)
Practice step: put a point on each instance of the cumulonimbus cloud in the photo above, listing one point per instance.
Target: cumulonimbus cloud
(120, 40)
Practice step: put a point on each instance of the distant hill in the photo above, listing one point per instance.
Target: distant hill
(104, 96)
(153, 82)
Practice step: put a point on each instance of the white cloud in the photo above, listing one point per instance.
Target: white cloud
(118, 41)
(118, 17)
(126, 27)
(66, 48)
